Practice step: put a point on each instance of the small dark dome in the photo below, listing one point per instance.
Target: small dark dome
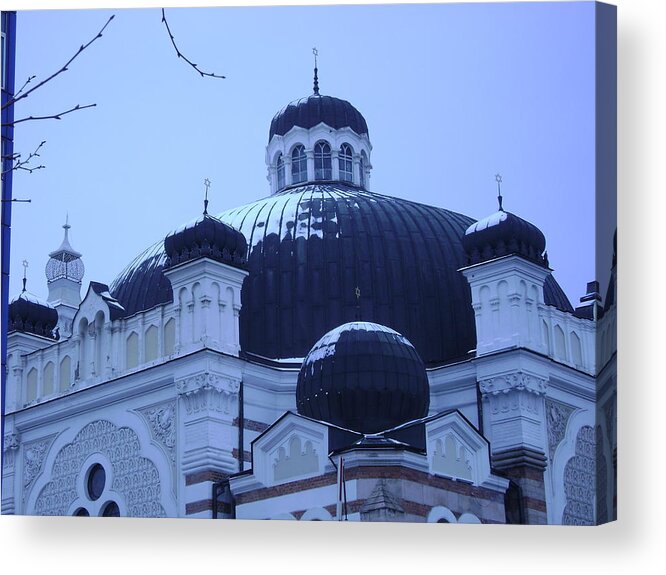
(206, 237)
(312, 110)
(30, 315)
(502, 234)
(364, 377)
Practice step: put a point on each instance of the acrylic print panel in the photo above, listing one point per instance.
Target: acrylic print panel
(372, 280)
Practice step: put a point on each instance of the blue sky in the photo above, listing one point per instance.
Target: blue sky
(452, 94)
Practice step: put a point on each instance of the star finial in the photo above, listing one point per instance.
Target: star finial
(25, 273)
(316, 79)
(498, 179)
(207, 185)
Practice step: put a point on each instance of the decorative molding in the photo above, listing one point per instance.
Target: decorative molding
(517, 381)
(10, 445)
(451, 458)
(34, 454)
(208, 391)
(161, 420)
(135, 477)
(557, 418)
(11, 442)
(295, 458)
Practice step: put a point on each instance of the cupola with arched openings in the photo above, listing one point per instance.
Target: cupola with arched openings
(318, 139)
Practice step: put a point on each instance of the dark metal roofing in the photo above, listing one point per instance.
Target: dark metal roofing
(364, 377)
(102, 290)
(206, 237)
(309, 248)
(309, 111)
(31, 315)
(501, 234)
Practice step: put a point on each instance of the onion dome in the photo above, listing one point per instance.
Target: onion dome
(364, 377)
(207, 237)
(313, 110)
(31, 315)
(502, 234)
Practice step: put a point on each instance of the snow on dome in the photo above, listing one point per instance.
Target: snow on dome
(364, 377)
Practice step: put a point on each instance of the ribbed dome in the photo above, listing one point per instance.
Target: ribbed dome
(501, 234)
(29, 314)
(364, 377)
(311, 246)
(312, 110)
(206, 237)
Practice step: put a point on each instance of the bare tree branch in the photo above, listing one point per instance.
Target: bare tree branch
(180, 55)
(18, 97)
(30, 79)
(52, 116)
(23, 164)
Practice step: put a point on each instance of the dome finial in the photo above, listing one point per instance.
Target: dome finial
(498, 179)
(357, 291)
(316, 79)
(25, 274)
(207, 185)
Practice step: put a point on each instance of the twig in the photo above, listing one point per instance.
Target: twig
(30, 79)
(17, 97)
(180, 55)
(51, 117)
(23, 164)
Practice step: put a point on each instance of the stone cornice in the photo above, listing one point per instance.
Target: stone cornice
(517, 381)
(208, 391)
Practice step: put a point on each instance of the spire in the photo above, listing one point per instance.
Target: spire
(207, 185)
(316, 79)
(25, 274)
(65, 250)
(498, 179)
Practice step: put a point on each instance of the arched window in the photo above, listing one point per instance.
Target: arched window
(169, 337)
(322, 158)
(345, 163)
(280, 171)
(150, 347)
(65, 373)
(299, 165)
(363, 164)
(49, 379)
(132, 351)
(31, 388)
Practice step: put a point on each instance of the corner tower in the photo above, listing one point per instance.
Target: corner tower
(64, 272)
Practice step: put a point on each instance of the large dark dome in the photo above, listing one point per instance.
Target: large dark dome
(364, 377)
(312, 110)
(311, 246)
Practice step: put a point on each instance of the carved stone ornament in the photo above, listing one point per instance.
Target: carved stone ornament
(208, 391)
(517, 381)
(161, 420)
(557, 418)
(135, 478)
(33, 459)
(10, 445)
(11, 442)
